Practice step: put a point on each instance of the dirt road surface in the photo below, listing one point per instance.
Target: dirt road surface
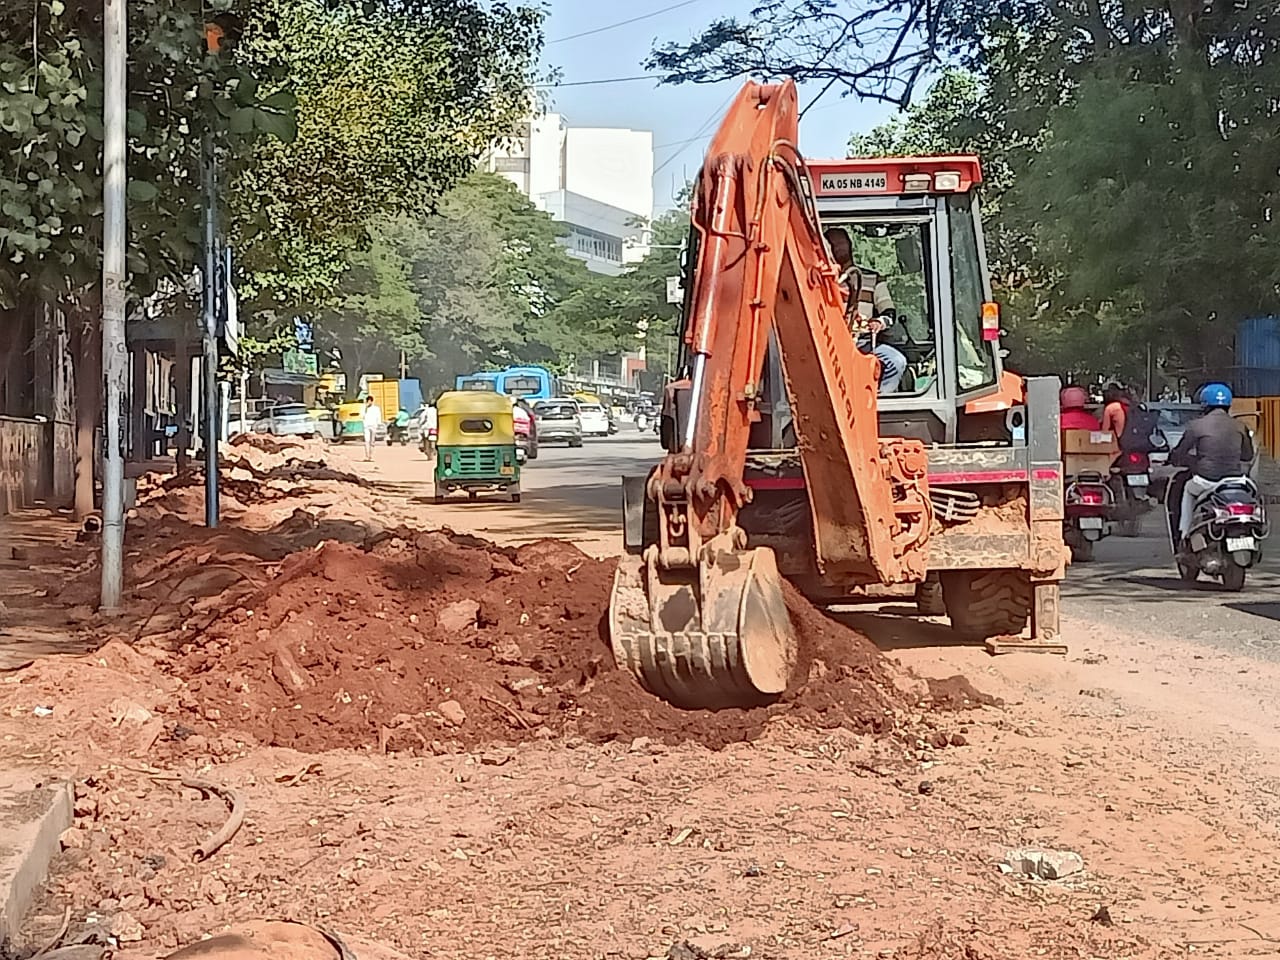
(1150, 751)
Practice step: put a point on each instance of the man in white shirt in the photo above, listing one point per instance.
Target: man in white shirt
(372, 421)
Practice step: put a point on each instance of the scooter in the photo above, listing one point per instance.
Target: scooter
(1130, 486)
(1227, 529)
(1088, 503)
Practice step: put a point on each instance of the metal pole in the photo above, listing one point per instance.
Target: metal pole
(114, 280)
(209, 361)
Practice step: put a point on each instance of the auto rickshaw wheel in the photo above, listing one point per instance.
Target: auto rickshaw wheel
(472, 495)
(514, 492)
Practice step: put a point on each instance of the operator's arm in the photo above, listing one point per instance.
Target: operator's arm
(884, 312)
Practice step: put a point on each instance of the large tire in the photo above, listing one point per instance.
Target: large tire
(1082, 551)
(987, 603)
(1188, 571)
(929, 601)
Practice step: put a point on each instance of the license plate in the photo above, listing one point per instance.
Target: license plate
(1090, 523)
(507, 471)
(845, 184)
(1137, 480)
(1241, 543)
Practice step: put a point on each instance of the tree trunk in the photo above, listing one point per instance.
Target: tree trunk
(85, 315)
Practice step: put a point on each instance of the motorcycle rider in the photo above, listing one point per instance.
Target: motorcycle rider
(1214, 447)
(1074, 416)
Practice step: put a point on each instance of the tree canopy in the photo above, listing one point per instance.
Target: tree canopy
(179, 96)
(1131, 172)
(396, 101)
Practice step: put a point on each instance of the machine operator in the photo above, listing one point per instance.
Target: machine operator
(870, 309)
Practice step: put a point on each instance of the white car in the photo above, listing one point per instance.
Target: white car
(287, 420)
(595, 422)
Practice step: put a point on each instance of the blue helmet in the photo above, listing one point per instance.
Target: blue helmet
(1216, 395)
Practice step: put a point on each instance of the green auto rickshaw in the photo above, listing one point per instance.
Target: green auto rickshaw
(476, 445)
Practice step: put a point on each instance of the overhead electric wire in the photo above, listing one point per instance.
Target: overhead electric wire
(592, 83)
(622, 23)
(683, 144)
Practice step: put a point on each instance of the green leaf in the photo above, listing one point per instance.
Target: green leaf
(242, 121)
(282, 100)
(282, 126)
(246, 90)
(141, 191)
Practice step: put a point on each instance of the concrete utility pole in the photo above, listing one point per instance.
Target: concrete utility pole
(114, 279)
(209, 362)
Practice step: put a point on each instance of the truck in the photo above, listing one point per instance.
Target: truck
(783, 458)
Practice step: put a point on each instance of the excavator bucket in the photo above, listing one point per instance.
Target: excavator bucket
(707, 638)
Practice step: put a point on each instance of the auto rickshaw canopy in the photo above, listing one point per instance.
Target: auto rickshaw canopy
(474, 418)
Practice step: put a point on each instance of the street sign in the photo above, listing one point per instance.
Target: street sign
(675, 294)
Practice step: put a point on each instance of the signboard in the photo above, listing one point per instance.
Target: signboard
(299, 361)
(675, 294)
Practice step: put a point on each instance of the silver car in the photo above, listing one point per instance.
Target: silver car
(558, 421)
(287, 420)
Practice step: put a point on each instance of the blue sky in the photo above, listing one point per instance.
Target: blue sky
(682, 118)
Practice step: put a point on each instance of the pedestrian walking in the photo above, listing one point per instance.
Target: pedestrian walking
(372, 420)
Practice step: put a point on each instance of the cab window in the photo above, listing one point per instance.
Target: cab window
(975, 357)
(898, 252)
(476, 425)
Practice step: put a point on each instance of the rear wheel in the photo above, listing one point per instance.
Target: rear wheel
(1188, 572)
(472, 495)
(513, 491)
(437, 495)
(987, 603)
(1233, 577)
(575, 443)
(1082, 551)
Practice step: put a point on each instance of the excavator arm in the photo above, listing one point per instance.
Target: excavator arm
(700, 617)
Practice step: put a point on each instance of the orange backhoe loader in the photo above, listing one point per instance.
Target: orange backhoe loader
(784, 459)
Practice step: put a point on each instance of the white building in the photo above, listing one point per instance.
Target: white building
(598, 181)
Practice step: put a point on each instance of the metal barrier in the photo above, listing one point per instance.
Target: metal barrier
(37, 462)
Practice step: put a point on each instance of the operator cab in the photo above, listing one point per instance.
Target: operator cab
(915, 223)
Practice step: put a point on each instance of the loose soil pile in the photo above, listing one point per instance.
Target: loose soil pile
(442, 640)
(315, 619)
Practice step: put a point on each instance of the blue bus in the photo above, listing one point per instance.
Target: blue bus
(530, 383)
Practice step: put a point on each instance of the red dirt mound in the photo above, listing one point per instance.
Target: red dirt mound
(412, 645)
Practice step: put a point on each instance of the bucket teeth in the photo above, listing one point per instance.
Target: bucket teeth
(715, 637)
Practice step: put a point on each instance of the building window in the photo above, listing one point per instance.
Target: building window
(594, 244)
(511, 165)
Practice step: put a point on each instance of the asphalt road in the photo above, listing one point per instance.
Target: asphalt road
(1133, 583)
(569, 492)
(575, 493)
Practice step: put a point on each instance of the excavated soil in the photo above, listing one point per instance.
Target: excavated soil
(415, 645)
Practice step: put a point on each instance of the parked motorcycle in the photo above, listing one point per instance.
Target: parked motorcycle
(1227, 529)
(1087, 503)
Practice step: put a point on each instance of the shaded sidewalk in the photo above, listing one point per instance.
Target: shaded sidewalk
(39, 552)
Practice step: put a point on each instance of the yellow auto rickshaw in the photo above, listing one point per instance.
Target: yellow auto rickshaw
(350, 421)
(476, 445)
